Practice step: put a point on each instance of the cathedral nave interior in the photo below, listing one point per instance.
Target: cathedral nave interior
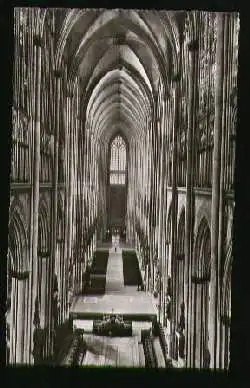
(122, 188)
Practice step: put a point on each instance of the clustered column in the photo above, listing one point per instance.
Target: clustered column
(193, 84)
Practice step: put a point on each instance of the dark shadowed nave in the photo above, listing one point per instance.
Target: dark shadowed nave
(122, 187)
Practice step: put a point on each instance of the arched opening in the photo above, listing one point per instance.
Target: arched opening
(43, 277)
(168, 286)
(8, 305)
(178, 272)
(17, 289)
(179, 264)
(200, 295)
(168, 239)
(59, 259)
(117, 178)
(118, 161)
(226, 309)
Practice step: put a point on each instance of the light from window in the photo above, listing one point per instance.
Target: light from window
(118, 162)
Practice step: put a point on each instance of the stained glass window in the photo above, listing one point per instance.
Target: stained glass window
(118, 162)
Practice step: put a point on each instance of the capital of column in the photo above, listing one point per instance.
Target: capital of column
(180, 257)
(19, 275)
(167, 95)
(37, 40)
(43, 254)
(225, 320)
(176, 77)
(58, 73)
(69, 94)
(193, 45)
(200, 279)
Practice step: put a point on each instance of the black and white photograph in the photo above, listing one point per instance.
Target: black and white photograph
(122, 188)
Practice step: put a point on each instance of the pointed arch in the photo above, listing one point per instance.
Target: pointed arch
(43, 229)
(118, 93)
(118, 159)
(18, 242)
(181, 233)
(202, 251)
(17, 293)
(71, 18)
(131, 70)
(133, 22)
(226, 284)
(169, 223)
(60, 218)
(226, 307)
(178, 272)
(200, 294)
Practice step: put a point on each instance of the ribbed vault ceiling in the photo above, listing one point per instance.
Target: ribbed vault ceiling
(120, 56)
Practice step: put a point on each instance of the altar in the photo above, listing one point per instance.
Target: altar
(86, 326)
(139, 307)
(112, 325)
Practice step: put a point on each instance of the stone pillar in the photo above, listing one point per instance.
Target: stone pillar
(44, 260)
(47, 274)
(44, 290)
(58, 81)
(60, 277)
(68, 192)
(198, 326)
(162, 217)
(227, 48)
(176, 90)
(11, 324)
(214, 284)
(193, 82)
(33, 292)
(26, 318)
(152, 196)
(17, 334)
(62, 291)
(192, 326)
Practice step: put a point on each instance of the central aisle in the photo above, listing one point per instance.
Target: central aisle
(121, 300)
(114, 274)
(117, 352)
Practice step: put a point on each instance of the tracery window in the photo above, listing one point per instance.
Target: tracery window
(118, 160)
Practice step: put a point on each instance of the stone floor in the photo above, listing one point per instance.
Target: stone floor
(114, 275)
(108, 245)
(118, 299)
(113, 351)
(126, 304)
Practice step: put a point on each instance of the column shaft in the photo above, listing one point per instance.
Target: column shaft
(174, 206)
(193, 80)
(35, 185)
(214, 286)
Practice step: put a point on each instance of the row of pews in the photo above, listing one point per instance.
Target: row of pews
(162, 339)
(96, 274)
(77, 352)
(131, 269)
(155, 348)
(159, 354)
(63, 342)
(163, 343)
(100, 262)
(149, 350)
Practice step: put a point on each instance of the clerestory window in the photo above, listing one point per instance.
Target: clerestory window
(118, 159)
